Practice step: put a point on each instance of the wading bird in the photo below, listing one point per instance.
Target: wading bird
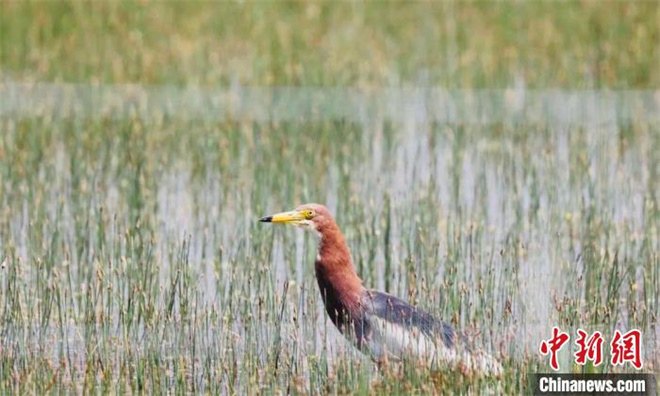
(379, 324)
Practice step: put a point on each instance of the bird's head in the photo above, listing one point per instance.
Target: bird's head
(311, 216)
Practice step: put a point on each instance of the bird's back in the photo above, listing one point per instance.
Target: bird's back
(396, 312)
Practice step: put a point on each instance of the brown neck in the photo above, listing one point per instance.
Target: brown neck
(341, 287)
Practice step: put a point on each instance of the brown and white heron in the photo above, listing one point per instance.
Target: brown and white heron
(379, 324)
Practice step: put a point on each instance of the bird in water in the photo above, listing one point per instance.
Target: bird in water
(379, 324)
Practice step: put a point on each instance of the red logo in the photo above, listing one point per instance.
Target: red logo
(554, 345)
(627, 348)
(589, 348)
(624, 347)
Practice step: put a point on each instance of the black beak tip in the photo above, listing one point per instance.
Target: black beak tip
(266, 219)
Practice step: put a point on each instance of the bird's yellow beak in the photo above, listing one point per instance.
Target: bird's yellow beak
(293, 217)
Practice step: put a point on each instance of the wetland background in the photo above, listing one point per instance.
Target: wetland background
(495, 163)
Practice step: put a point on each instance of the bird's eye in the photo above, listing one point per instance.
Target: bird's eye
(309, 214)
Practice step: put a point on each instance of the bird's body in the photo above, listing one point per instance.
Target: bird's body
(379, 324)
(397, 330)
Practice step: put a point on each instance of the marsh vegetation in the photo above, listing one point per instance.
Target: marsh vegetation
(497, 164)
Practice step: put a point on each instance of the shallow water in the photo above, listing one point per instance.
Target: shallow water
(504, 211)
